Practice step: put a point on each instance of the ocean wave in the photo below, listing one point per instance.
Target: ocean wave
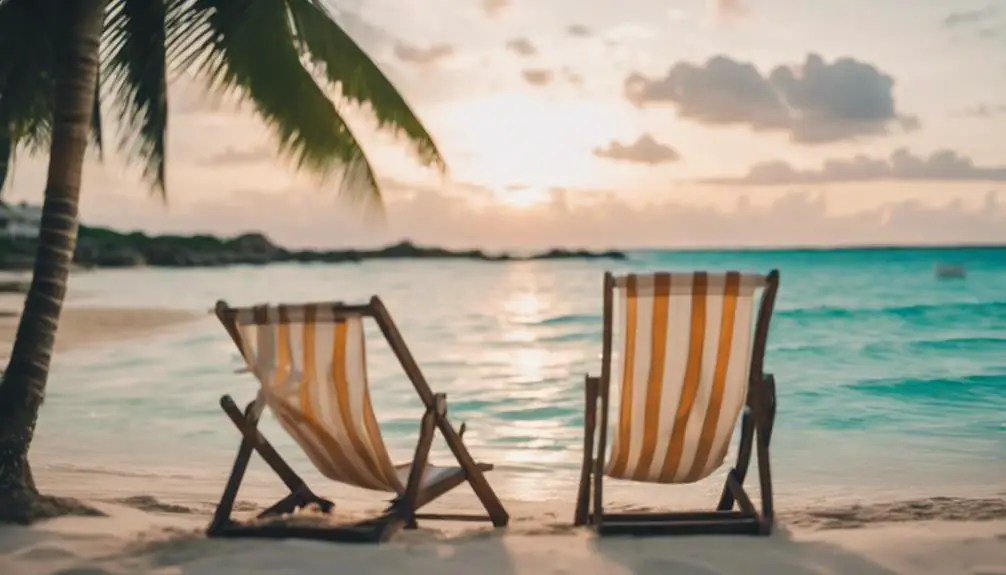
(908, 312)
(957, 343)
(569, 337)
(963, 343)
(132, 473)
(543, 412)
(537, 340)
(567, 319)
(972, 389)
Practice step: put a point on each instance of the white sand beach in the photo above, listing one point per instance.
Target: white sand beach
(147, 536)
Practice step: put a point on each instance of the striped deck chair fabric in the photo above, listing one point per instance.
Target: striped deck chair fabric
(313, 373)
(682, 364)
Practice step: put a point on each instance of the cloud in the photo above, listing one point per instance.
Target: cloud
(521, 46)
(305, 218)
(966, 17)
(578, 30)
(428, 55)
(728, 10)
(815, 102)
(537, 76)
(645, 150)
(946, 165)
(369, 35)
(983, 111)
(493, 8)
(572, 76)
(296, 214)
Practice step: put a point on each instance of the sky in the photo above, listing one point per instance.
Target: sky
(621, 124)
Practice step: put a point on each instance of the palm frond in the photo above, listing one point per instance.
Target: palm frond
(135, 63)
(97, 136)
(26, 74)
(346, 66)
(27, 31)
(248, 46)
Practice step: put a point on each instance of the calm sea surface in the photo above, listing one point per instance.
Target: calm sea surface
(889, 379)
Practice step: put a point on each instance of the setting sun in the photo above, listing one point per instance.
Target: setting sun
(542, 144)
(523, 197)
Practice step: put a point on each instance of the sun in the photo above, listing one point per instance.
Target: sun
(525, 137)
(523, 197)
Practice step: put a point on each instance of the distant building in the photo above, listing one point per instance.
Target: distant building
(20, 221)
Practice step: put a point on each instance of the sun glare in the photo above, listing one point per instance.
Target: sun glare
(524, 138)
(523, 198)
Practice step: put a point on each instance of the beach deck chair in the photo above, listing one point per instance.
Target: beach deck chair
(688, 366)
(311, 363)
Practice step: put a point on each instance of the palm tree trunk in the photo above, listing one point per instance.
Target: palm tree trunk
(23, 384)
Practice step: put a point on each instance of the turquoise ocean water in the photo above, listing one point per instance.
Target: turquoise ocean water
(891, 382)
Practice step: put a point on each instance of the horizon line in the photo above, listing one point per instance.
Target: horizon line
(845, 246)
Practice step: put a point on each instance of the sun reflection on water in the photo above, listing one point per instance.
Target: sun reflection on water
(527, 363)
(524, 307)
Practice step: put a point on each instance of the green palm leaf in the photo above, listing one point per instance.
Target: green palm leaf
(135, 64)
(28, 29)
(249, 48)
(265, 50)
(349, 68)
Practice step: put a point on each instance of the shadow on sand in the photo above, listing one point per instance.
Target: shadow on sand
(779, 554)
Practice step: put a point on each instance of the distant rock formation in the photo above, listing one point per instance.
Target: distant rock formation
(106, 248)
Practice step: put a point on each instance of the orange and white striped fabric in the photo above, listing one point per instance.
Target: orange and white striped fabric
(312, 367)
(683, 363)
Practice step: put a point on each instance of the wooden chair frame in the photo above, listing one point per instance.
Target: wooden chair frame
(756, 433)
(402, 512)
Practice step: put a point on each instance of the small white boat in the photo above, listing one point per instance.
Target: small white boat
(951, 271)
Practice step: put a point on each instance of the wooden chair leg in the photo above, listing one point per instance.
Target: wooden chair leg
(582, 513)
(770, 400)
(736, 488)
(288, 504)
(740, 470)
(407, 505)
(252, 440)
(484, 491)
(297, 500)
(224, 509)
(756, 433)
(262, 446)
(763, 437)
(487, 496)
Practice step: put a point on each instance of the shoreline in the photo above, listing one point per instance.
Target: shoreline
(82, 326)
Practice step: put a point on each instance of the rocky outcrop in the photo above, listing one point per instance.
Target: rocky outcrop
(105, 248)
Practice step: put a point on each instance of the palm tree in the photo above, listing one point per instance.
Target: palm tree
(59, 57)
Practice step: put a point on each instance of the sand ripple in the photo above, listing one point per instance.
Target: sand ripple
(933, 508)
